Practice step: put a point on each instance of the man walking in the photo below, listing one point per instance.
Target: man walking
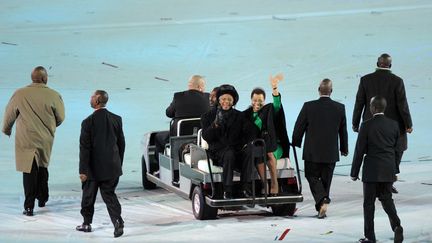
(38, 111)
(323, 121)
(102, 147)
(384, 83)
(377, 139)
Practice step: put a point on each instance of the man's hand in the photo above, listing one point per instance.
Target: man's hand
(354, 178)
(409, 130)
(355, 129)
(7, 132)
(83, 177)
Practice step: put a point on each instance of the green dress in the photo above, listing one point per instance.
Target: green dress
(258, 122)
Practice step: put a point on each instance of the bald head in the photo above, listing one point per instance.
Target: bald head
(384, 61)
(39, 75)
(197, 82)
(378, 104)
(325, 87)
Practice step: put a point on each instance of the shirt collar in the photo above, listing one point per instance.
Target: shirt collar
(381, 68)
(379, 114)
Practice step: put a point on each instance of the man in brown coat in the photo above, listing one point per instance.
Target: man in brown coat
(37, 110)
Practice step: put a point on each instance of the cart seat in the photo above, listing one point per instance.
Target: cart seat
(283, 163)
(203, 165)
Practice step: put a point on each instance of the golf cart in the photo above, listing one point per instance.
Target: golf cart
(185, 169)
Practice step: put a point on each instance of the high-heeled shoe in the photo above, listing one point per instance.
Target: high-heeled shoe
(274, 191)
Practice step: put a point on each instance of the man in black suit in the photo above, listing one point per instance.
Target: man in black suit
(102, 147)
(323, 121)
(377, 139)
(384, 83)
(186, 104)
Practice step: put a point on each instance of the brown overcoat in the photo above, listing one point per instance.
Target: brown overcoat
(37, 110)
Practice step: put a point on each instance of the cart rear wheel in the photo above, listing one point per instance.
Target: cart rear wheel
(284, 209)
(148, 185)
(200, 209)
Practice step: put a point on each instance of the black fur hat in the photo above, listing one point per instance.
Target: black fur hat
(227, 89)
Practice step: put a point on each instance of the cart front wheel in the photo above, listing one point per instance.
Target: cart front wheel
(200, 209)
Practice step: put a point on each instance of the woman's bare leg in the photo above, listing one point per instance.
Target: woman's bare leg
(261, 171)
(273, 174)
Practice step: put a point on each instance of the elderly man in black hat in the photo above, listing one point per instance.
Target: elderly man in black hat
(227, 132)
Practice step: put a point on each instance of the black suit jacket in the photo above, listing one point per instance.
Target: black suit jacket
(235, 133)
(102, 146)
(323, 121)
(384, 83)
(377, 140)
(187, 104)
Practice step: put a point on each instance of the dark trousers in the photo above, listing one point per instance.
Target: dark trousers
(382, 190)
(35, 185)
(319, 176)
(398, 157)
(107, 188)
(161, 139)
(231, 160)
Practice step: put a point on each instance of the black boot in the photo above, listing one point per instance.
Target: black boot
(118, 228)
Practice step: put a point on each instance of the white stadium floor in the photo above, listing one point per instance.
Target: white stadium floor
(238, 42)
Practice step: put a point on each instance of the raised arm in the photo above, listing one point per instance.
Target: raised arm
(274, 82)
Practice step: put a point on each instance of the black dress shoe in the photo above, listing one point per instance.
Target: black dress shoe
(398, 234)
(41, 204)
(394, 190)
(118, 228)
(366, 240)
(245, 194)
(84, 228)
(227, 195)
(28, 212)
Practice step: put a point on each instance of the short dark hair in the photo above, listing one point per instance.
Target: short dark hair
(325, 87)
(102, 97)
(384, 61)
(258, 91)
(379, 103)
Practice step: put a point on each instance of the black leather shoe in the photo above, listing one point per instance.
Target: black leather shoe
(227, 195)
(398, 234)
(394, 190)
(84, 228)
(41, 204)
(366, 240)
(245, 194)
(28, 212)
(118, 228)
